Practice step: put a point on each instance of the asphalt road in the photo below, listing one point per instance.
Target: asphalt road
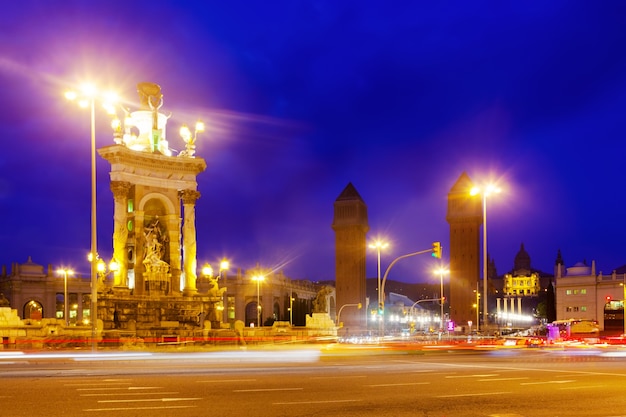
(313, 382)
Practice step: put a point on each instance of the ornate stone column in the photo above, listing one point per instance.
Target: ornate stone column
(120, 231)
(140, 253)
(173, 234)
(189, 198)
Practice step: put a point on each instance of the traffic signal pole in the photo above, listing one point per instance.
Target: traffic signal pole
(384, 280)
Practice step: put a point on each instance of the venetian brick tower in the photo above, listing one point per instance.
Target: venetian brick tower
(465, 217)
(149, 185)
(351, 226)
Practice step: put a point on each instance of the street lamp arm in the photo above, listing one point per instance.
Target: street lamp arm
(382, 292)
(423, 301)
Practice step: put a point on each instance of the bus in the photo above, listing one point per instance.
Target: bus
(572, 329)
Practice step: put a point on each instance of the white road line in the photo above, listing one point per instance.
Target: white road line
(96, 384)
(165, 400)
(584, 387)
(502, 379)
(267, 389)
(162, 407)
(221, 381)
(478, 394)
(121, 394)
(399, 384)
(339, 376)
(471, 376)
(316, 402)
(548, 382)
(117, 388)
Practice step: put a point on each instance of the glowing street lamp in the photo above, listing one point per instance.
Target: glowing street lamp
(189, 138)
(485, 192)
(441, 271)
(379, 245)
(258, 279)
(86, 98)
(65, 272)
(207, 270)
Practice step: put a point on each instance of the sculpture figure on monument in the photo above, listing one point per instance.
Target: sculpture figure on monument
(319, 304)
(214, 289)
(157, 269)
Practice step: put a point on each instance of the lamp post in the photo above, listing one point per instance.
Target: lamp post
(87, 99)
(65, 272)
(379, 245)
(485, 192)
(258, 279)
(477, 305)
(207, 270)
(441, 271)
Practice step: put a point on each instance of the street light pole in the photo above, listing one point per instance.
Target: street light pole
(65, 273)
(378, 245)
(486, 191)
(441, 271)
(258, 279)
(94, 242)
(485, 260)
(88, 98)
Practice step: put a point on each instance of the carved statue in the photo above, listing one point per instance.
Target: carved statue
(4, 302)
(154, 244)
(151, 97)
(319, 304)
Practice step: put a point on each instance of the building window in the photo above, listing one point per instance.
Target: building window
(60, 306)
(583, 291)
(568, 292)
(583, 308)
(230, 301)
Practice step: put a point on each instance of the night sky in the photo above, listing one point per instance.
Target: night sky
(302, 97)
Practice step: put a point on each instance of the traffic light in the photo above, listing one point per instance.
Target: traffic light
(436, 250)
(608, 299)
(381, 309)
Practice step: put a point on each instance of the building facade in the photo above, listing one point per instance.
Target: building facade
(350, 223)
(465, 217)
(581, 293)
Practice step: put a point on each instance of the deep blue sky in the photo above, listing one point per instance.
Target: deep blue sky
(302, 97)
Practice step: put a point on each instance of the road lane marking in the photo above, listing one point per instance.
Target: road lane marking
(478, 394)
(165, 400)
(162, 407)
(503, 379)
(121, 394)
(96, 384)
(398, 384)
(116, 388)
(267, 389)
(316, 402)
(583, 387)
(548, 382)
(220, 381)
(471, 376)
(339, 376)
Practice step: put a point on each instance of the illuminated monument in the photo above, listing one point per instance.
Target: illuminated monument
(465, 217)
(351, 226)
(148, 186)
(154, 239)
